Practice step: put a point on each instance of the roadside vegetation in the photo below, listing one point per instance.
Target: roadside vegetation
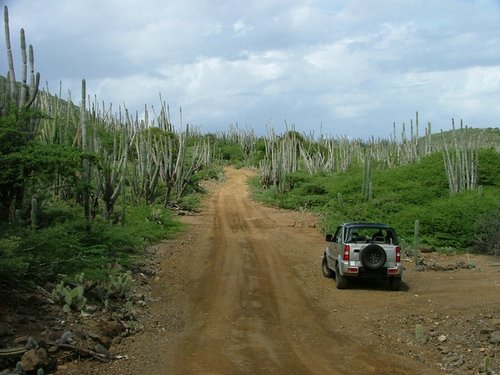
(86, 186)
(463, 221)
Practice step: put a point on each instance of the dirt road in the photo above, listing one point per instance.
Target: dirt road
(241, 292)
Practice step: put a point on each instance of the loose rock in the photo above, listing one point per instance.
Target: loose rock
(495, 337)
(442, 338)
(34, 359)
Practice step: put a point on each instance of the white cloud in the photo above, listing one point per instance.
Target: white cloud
(347, 64)
(240, 28)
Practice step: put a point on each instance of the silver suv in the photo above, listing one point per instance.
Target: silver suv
(363, 250)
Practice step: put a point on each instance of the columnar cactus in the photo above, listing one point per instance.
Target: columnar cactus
(461, 160)
(20, 96)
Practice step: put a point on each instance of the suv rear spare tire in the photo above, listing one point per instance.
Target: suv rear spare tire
(373, 257)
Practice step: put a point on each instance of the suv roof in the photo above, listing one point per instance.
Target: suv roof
(364, 225)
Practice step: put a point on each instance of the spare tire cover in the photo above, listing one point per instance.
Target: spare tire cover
(373, 257)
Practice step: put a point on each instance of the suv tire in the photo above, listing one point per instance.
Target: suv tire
(327, 272)
(340, 281)
(373, 257)
(395, 283)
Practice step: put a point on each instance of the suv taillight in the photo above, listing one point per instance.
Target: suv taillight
(347, 251)
(398, 254)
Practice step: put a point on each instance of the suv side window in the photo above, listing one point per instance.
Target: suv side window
(391, 237)
(338, 235)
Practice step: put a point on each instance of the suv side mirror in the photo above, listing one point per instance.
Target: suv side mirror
(329, 238)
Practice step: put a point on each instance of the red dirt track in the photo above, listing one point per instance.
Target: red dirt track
(241, 292)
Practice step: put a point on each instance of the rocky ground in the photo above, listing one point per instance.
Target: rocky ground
(37, 331)
(445, 320)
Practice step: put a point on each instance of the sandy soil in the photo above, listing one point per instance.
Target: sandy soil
(241, 292)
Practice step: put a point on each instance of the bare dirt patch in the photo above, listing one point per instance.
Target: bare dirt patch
(241, 291)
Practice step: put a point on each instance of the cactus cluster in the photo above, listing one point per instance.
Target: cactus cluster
(282, 158)
(461, 160)
(138, 162)
(73, 298)
(120, 285)
(129, 311)
(117, 287)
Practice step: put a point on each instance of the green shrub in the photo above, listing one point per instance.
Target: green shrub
(12, 264)
(449, 222)
(214, 172)
(191, 202)
(489, 168)
(71, 245)
(258, 153)
(486, 238)
(231, 152)
(400, 196)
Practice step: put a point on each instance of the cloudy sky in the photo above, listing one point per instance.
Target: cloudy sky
(336, 67)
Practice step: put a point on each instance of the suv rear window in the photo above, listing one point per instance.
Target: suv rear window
(372, 234)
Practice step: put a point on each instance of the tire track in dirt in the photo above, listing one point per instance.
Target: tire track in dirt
(247, 297)
(252, 315)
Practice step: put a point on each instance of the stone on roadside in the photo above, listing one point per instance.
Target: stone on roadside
(442, 338)
(99, 348)
(495, 337)
(34, 359)
(496, 323)
(443, 349)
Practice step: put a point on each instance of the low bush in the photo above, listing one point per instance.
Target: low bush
(71, 245)
(486, 238)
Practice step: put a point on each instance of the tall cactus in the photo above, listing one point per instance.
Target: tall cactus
(112, 174)
(84, 145)
(367, 177)
(11, 75)
(22, 96)
(18, 100)
(190, 165)
(146, 171)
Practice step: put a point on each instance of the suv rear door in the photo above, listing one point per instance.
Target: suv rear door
(334, 245)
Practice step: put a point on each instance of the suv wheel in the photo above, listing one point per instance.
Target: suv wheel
(373, 257)
(395, 283)
(340, 281)
(327, 272)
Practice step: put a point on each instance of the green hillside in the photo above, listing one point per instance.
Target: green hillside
(401, 195)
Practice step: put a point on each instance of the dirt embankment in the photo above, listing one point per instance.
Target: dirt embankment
(241, 292)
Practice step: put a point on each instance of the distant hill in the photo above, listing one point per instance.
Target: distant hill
(486, 137)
